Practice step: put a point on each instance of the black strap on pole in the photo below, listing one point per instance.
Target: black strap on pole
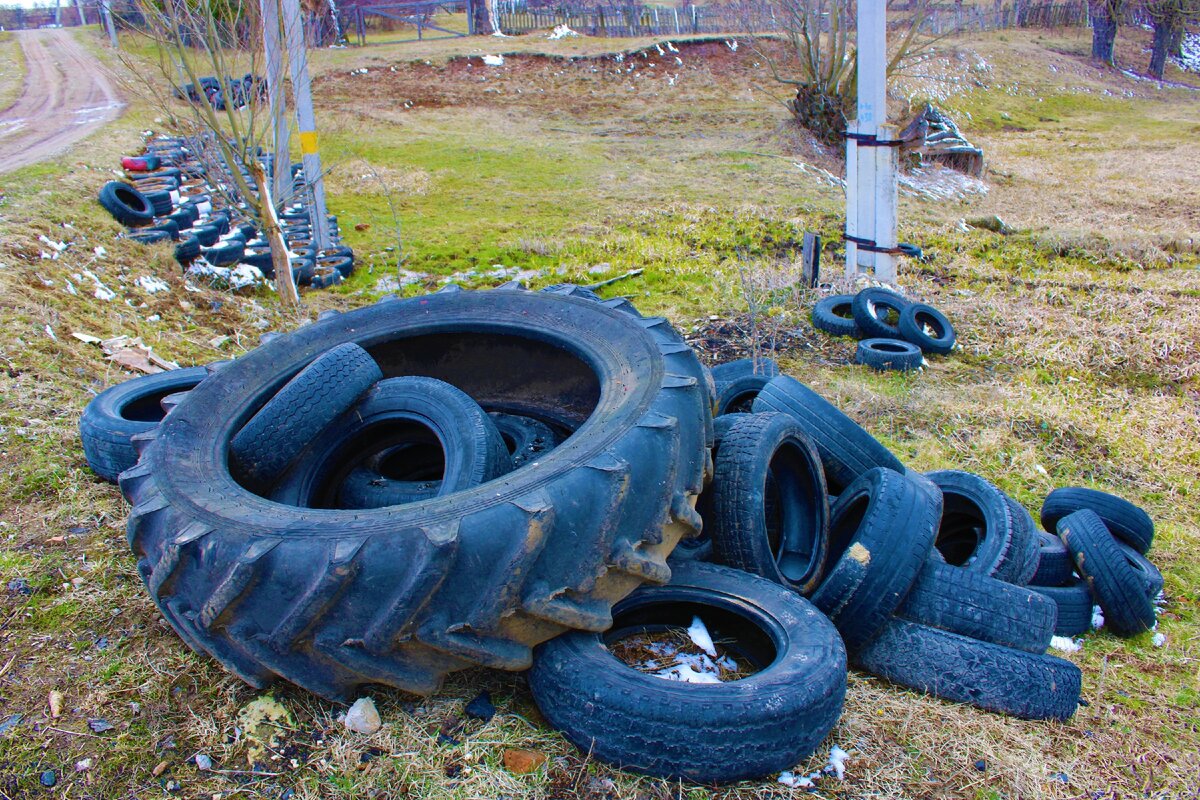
(871, 246)
(871, 140)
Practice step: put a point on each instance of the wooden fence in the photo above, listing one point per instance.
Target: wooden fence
(750, 16)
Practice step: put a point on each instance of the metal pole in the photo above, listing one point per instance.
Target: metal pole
(281, 186)
(293, 29)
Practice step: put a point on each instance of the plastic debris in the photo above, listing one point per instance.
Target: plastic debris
(363, 717)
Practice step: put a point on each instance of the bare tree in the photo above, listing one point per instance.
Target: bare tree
(223, 39)
(1106, 17)
(821, 57)
(1169, 18)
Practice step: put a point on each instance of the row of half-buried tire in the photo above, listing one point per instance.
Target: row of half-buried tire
(319, 597)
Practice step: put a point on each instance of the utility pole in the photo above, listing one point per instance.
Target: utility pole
(293, 29)
(871, 156)
(106, 12)
(82, 16)
(272, 18)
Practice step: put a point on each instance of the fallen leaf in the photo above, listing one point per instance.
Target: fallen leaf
(522, 762)
(55, 701)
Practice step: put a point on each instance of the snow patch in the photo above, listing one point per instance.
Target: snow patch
(561, 32)
(837, 762)
(152, 285)
(700, 637)
(239, 277)
(1159, 639)
(1189, 60)
(102, 292)
(798, 781)
(1066, 644)
(494, 61)
(1097, 618)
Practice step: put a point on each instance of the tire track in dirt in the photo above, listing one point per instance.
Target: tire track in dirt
(66, 97)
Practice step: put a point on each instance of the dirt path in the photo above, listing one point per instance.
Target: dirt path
(66, 97)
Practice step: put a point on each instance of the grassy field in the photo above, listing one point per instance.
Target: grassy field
(12, 68)
(1080, 362)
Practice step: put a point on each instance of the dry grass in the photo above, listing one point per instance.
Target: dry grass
(12, 68)
(1078, 366)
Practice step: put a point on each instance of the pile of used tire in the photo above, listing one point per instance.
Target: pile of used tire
(169, 196)
(488, 477)
(235, 93)
(894, 333)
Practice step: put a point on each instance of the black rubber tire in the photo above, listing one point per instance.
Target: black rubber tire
(917, 319)
(1114, 583)
(880, 534)
(1025, 536)
(1149, 574)
(1054, 562)
(272, 439)
(1127, 522)
(187, 251)
(1074, 604)
(325, 276)
(889, 355)
(847, 450)
(987, 676)
(365, 487)
(770, 507)
(708, 733)
(114, 416)
(976, 606)
(700, 548)
(527, 439)
(226, 253)
(739, 382)
(835, 316)
(867, 307)
(160, 201)
(127, 205)
(978, 531)
(149, 237)
(396, 411)
(206, 234)
(319, 596)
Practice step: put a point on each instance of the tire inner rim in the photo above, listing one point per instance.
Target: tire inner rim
(792, 514)
(743, 631)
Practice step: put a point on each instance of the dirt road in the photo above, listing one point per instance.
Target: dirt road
(66, 97)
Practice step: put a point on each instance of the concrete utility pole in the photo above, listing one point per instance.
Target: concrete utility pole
(272, 18)
(106, 12)
(293, 29)
(82, 16)
(870, 156)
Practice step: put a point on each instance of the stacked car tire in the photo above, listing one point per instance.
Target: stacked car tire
(169, 196)
(498, 478)
(895, 333)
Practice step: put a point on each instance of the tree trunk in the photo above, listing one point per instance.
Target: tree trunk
(481, 18)
(285, 283)
(1176, 46)
(1104, 31)
(1164, 29)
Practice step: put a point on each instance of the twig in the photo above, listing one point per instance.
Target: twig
(75, 733)
(4, 670)
(633, 273)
